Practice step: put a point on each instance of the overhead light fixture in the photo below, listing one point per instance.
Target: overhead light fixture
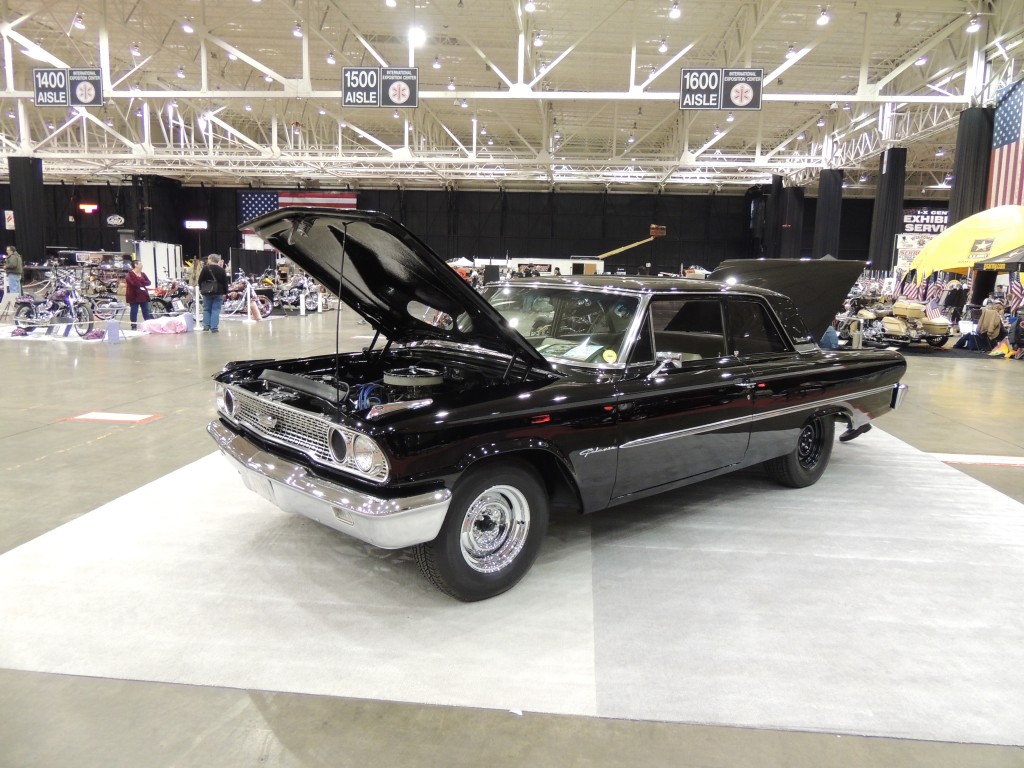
(940, 152)
(921, 61)
(631, 138)
(801, 136)
(135, 50)
(322, 111)
(529, 6)
(974, 24)
(464, 104)
(330, 58)
(718, 130)
(232, 56)
(437, 62)
(10, 114)
(297, 129)
(490, 141)
(297, 29)
(791, 52)
(823, 17)
(730, 117)
(821, 122)
(417, 36)
(863, 178)
(343, 123)
(847, 107)
(391, 3)
(248, 107)
(483, 130)
(675, 12)
(187, 28)
(451, 83)
(109, 123)
(538, 41)
(79, 21)
(181, 72)
(138, 112)
(557, 134)
(395, 114)
(268, 78)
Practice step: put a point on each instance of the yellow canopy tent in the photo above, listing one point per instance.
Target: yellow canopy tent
(984, 235)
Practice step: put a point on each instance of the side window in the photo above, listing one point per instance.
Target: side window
(752, 330)
(687, 329)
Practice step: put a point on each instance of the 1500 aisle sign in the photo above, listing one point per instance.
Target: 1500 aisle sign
(380, 86)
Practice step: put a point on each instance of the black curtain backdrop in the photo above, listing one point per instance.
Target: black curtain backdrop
(828, 214)
(971, 164)
(791, 229)
(887, 219)
(28, 204)
(773, 220)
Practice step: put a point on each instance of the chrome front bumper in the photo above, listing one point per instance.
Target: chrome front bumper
(386, 523)
(899, 391)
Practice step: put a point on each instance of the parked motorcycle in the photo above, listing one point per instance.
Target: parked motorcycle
(63, 304)
(299, 289)
(171, 296)
(235, 301)
(905, 322)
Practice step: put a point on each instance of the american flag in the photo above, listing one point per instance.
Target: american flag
(256, 203)
(935, 289)
(1006, 178)
(1015, 296)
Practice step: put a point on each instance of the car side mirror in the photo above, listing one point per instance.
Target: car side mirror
(667, 361)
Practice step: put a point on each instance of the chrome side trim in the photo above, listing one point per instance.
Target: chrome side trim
(727, 423)
(387, 523)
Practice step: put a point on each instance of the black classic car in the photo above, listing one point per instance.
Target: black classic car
(472, 415)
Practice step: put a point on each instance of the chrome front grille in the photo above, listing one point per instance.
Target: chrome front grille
(283, 424)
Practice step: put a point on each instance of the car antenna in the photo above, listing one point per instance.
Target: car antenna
(337, 321)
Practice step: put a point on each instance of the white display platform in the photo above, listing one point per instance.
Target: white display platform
(887, 600)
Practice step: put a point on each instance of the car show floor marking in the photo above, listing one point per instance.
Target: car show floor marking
(729, 602)
(971, 458)
(124, 418)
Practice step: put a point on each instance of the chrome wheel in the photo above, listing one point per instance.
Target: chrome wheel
(495, 528)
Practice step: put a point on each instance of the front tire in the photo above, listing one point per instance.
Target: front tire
(83, 319)
(159, 307)
(496, 522)
(23, 315)
(806, 463)
(939, 342)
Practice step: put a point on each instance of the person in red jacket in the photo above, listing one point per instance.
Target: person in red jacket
(136, 293)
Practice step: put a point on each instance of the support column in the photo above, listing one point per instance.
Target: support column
(773, 220)
(888, 211)
(828, 214)
(28, 202)
(791, 228)
(971, 165)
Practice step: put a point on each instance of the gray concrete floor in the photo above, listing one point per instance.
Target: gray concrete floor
(53, 470)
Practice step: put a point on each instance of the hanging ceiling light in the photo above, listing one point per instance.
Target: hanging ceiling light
(322, 111)
(490, 141)
(730, 117)
(181, 72)
(791, 52)
(437, 62)
(464, 104)
(483, 130)
(940, 152)
(538, 41)
(663, 48)
(821, 122)
(847, 107)
(417, 36)
(248, 107)
(187, 28)
(974, 24)
(675, 12)
(297, 29)
(823, 17)
(451, 83)
(330, 58)
(232, 56)
(395, 114)
(135, 50)
(801, 136)
(79, 21)
(558, 133)
(921, 61)
(718, 130)
(268, 78)
(391, 3)
(631, 138)
(529, 6)
(863, 178)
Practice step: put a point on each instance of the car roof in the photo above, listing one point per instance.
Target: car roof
(643, 284)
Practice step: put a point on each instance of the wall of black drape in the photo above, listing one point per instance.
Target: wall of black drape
(828, 214)
(27, 202)
(971, 164)
(887, 218)
(791, 227)
(773, 220)
(703, 230)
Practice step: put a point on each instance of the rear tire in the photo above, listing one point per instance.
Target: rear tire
(83, 319)
(22, 316)
(159, 307)
(940, 342)
(492, 534)
(806, 463)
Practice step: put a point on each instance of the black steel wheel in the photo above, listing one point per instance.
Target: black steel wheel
(807, 461)
(496, 522)
(23, 315)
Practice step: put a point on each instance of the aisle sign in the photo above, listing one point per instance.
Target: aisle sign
(360, 86)
(85, 87)
(700, 89)
(741, 88)
(399, 86)
(50, 87)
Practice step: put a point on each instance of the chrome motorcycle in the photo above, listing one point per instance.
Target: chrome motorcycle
(234, 302)
(300, 289)
(62, 304)
(905, 322)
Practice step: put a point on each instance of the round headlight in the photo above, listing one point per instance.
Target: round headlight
(364, 454)
(339, 448)
(225, 401)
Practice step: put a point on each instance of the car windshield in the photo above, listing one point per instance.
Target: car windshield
(566, 324)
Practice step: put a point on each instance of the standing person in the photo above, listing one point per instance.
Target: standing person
(213, 284)
(136, 293)
(14, 267)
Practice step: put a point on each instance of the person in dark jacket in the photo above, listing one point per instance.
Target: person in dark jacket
(136, 293)
(213, 284)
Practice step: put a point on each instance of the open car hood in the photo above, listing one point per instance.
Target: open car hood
(817, 288)
(379, 268)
